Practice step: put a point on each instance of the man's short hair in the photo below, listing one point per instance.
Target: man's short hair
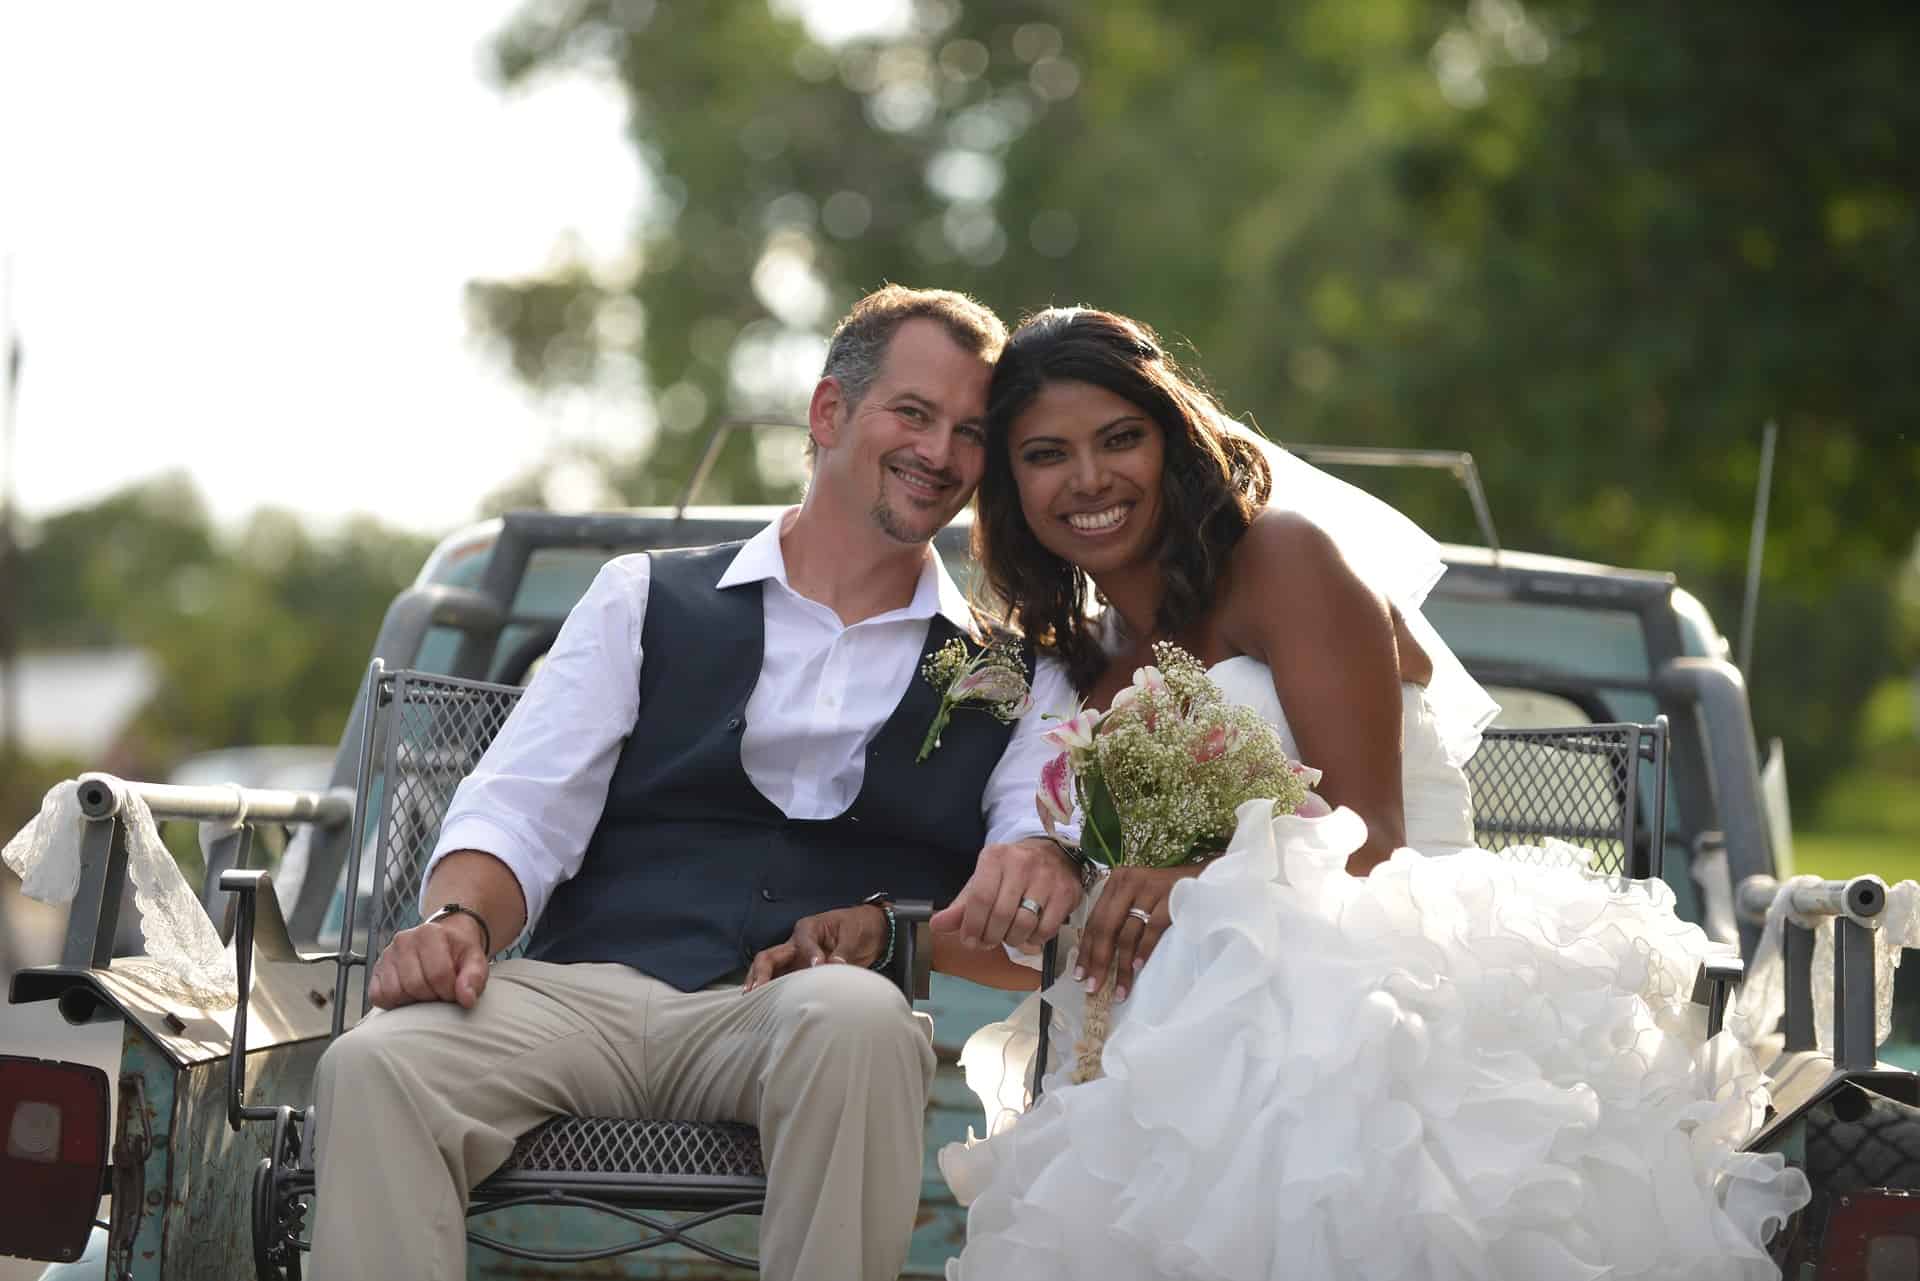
(859, 344)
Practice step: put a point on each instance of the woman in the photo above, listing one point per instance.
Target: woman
(1343, 1061)
(1099, 446)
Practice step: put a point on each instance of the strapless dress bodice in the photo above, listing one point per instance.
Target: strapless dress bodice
(1439, 807)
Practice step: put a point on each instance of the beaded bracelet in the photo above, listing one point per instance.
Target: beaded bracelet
(886, 958)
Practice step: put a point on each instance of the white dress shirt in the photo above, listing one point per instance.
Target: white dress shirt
(825, 690)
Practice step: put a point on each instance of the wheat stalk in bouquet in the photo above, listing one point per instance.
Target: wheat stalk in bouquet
(1157, 779)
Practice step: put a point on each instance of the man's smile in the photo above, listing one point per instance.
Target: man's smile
(921, 484)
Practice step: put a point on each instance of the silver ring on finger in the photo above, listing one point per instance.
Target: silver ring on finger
(1028, 905)
(1140, 915)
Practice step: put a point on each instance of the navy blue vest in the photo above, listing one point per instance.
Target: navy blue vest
(691, 870)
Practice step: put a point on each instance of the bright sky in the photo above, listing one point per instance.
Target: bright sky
(239, 236)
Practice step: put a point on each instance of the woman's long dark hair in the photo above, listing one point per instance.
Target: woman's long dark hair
(1210, 488)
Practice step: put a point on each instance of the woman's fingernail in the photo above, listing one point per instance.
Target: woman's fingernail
(1093, 985)
(1079, 974)
(1120, 994)
(1138, 961)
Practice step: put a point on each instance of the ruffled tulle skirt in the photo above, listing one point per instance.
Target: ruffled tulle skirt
(1459, 1067)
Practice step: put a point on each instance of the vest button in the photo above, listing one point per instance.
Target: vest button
(767, 895)
(734, 723)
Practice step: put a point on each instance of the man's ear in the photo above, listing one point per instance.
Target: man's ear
(823, 413)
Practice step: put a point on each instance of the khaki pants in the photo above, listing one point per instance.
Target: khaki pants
(419, 1104)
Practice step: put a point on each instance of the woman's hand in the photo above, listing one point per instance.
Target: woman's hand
(1113, 933)
(844, 936)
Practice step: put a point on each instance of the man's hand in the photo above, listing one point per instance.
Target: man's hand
(443, 961)
(844, 936)
(996, 904)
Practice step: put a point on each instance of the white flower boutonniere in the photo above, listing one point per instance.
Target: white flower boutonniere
(992, 678)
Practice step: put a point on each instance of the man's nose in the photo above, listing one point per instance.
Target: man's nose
(934, 448)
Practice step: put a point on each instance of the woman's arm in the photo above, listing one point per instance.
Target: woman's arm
(1294, 602)
(987, 966)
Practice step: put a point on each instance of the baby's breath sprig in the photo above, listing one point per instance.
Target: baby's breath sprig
(992, 678)
(1172, 762)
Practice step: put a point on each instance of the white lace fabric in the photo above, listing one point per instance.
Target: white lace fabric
(1762, 998)
(45, 854)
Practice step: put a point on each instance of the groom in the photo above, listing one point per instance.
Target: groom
(720, 743)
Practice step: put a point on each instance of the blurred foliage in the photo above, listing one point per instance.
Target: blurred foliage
(1598, 245)
(260, 636)
(1907, 606)
(23, 785)
(1890, 727)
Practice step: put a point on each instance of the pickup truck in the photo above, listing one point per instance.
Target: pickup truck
(1557, 642)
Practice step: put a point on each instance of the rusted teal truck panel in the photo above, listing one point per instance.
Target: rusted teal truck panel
(181, 1208)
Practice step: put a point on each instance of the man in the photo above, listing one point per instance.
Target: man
(717, 761)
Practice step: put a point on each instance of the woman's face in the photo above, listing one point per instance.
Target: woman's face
(1087, 464)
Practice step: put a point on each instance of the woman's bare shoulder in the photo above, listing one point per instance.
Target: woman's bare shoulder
(1286, 572)
(1285, 545)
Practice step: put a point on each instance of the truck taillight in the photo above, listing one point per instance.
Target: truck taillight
(1872, 1235)
(53, 1120)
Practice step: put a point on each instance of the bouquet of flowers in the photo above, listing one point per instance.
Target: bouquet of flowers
(1158, 778)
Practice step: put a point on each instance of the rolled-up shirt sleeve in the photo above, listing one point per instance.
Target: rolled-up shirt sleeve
(1009, 803)
(537, 795)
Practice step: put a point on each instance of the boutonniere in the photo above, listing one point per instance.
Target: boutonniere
(992, 678)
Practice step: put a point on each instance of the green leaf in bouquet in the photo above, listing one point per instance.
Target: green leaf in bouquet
(1100, 830)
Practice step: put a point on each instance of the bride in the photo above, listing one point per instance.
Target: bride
(1335, 1054)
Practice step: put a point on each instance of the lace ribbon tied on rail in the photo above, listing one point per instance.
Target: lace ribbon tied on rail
(1763, 993)
(179, 937)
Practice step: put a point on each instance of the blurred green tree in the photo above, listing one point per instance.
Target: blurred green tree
(1597, 245)
(98, 574)
(261, 636)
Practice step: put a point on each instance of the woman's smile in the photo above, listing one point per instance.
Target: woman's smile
(1105, 521)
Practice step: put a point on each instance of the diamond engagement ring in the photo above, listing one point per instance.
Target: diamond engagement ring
(1145, 918)
(1028, 905)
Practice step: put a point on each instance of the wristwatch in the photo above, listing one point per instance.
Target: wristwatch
(1086, 868)
(445, 910)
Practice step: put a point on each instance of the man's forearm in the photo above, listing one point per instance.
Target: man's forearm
(481, 883)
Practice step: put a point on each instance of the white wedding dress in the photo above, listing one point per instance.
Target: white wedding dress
(1457, 1067)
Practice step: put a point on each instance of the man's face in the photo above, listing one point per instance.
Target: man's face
(911, 452)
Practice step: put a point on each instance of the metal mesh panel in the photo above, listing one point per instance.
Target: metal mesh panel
(1576, 785)
(610, 1145)
(436, 729)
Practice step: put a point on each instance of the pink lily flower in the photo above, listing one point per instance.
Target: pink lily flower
(1315, 806)
(1075, 733)
(1054, 800)
(1213, 746)
(989, 685)
(1148, 680)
